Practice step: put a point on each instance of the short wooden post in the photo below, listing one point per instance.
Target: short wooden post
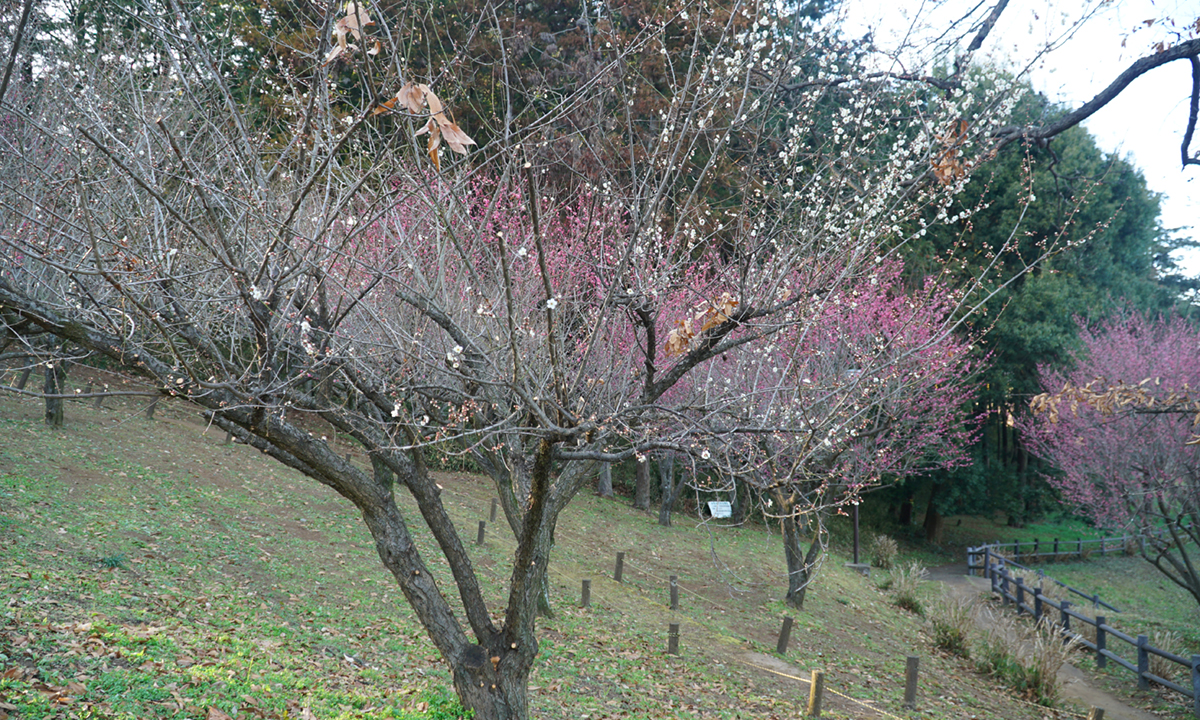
(150, 410)
(1036, 544)
(482, 526)
(88, 389)
(1037, 603)
(1096, 601)
(1096, 714)
(784, 633)
(228, 436)
(1143, 662)
(492, 517)
(816, 688)
(1101, 643)
(1102, 548)
(1016, 550)
(100, 398)
(620, 566)
(674, 583)
(585, 598)
(1066, 620)
(1196, 685)
(1055, 548)
(1080, 548)
(349, 458)
(673, 638)
(1004, 587)
(1020, 593)
(911, 668)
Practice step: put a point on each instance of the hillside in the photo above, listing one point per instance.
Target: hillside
(152, 571)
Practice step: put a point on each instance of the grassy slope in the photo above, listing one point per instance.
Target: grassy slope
(242, 588)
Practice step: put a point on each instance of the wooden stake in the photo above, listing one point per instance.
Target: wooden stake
(816, 688)
(911, 668)
(784, 633)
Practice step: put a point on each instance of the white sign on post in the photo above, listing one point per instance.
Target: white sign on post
(720, 509)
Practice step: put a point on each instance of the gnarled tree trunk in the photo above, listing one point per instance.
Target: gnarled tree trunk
(801, 563)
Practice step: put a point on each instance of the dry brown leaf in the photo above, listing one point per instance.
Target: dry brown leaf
(411, 97)
(376, 48)
(384, 107)
(430, 126)
(215, 714)
(456, 138)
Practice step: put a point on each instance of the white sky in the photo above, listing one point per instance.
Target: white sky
(1145, 124)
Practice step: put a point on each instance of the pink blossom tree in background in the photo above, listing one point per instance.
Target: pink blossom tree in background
(875, 389)
(1130, 465)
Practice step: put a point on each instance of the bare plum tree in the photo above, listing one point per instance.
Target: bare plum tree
(665, 201)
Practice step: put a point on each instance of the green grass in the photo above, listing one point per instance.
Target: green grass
(249, 589)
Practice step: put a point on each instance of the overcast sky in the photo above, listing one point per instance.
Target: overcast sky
(1145, 124)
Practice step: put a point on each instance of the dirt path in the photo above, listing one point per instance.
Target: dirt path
(1075, 686)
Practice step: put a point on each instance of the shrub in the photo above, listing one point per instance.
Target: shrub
(952, 622)
(1172, 642)
(883, 552)
(1026, 658)
(905, 585)
(1046, 655)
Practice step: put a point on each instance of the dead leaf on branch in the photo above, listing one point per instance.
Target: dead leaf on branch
(355, 19)
(416, 99)
(709, 315)
(948, 167)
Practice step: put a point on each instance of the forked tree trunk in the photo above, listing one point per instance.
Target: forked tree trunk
(641, 488)
(800, 563)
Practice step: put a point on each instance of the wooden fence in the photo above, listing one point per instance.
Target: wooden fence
(1031, 600)
(1059, 550)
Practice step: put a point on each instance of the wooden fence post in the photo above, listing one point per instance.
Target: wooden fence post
(816, 688)
(1004, 587)
(585, 599)
(1036, 544)
(674, 583)
(1037, 603)
(100, 398)
(1101, 643)
(1102, 548)
(673, 638)
(492, 517)
(620, 570)
(1080, 548)
(150, 410)
(482, 526)
(1020, 593)
(1055, 548)
(784, 634)
(1066, 620)
(228, 436)
(1143, 662)
(911, 667)
(1096, 714)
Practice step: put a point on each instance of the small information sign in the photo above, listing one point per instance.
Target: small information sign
(719, 509)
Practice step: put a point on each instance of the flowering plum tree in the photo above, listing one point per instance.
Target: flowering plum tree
(874, 388)
(603, 277)
(1120, 430)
